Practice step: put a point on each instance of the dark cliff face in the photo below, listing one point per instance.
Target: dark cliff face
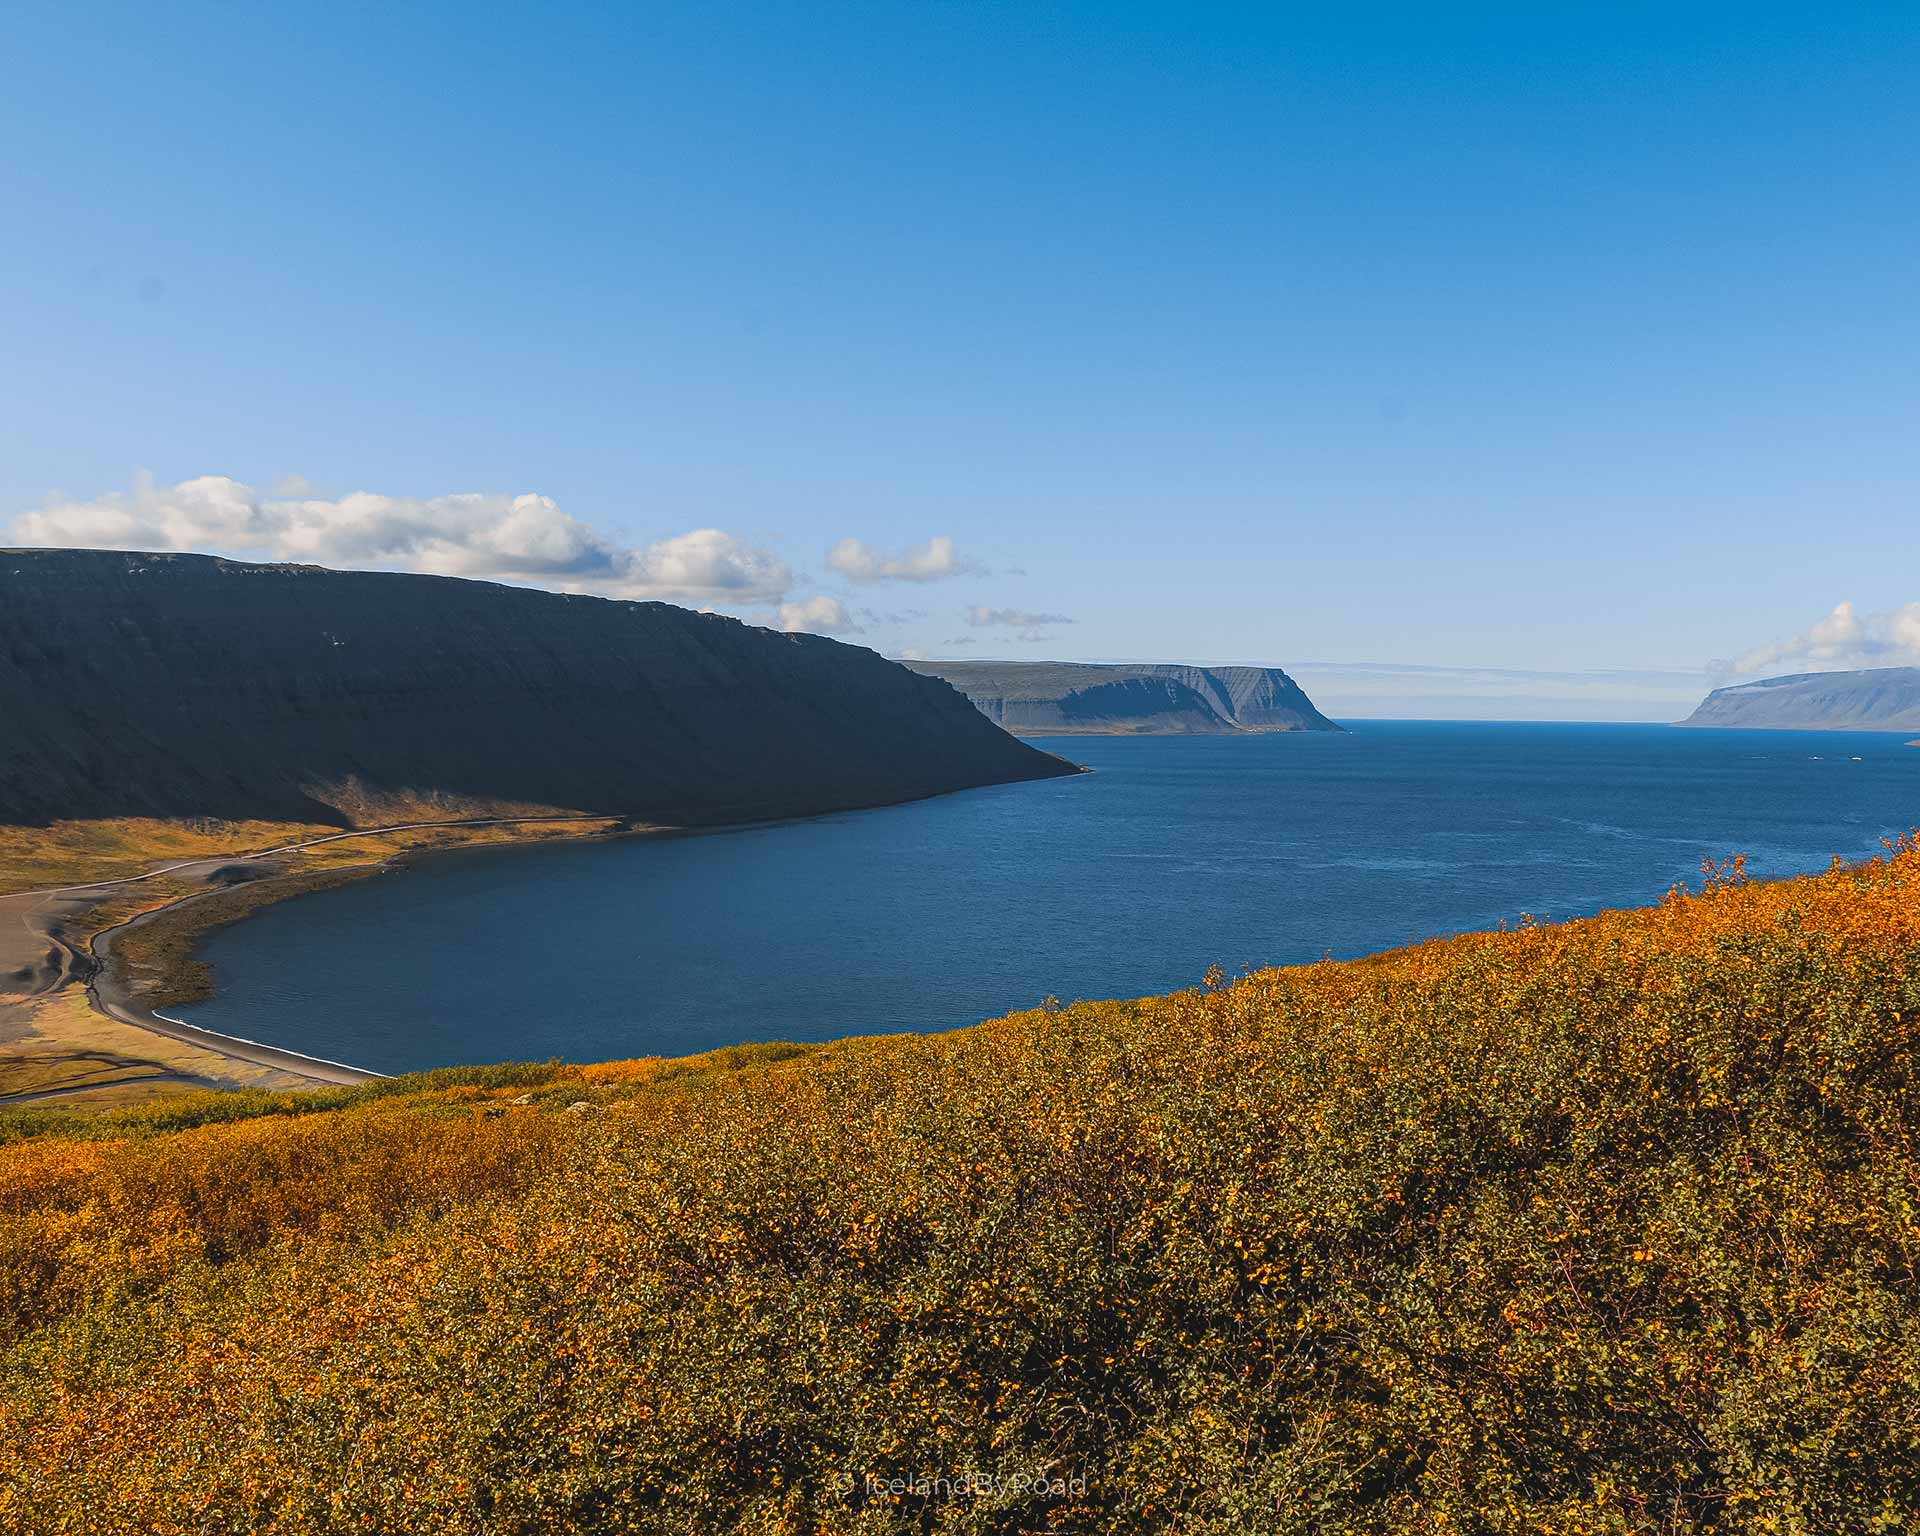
(1039, 698)
(1875, 699)
(182, 685)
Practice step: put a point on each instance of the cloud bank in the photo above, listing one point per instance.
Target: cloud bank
(523, 538)
(1843, 639)
(933, 561)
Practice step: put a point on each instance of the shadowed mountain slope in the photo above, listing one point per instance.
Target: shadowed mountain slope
(183, 685)
(1069, 698)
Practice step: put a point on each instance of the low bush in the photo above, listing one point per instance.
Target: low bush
(1602, 1226)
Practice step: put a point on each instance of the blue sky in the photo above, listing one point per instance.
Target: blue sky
(1509, 345)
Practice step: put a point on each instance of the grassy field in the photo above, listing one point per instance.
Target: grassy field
(59, 1044)
(1603, 1226)
(75, 852)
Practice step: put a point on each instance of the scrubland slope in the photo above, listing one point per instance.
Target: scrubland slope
(1595, 1227)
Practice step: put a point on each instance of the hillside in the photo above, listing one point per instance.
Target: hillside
(1058, 698)
(1877, 699)
(184, 686)
(1607, 1226)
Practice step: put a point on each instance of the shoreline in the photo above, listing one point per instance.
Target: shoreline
(176, 974)
(69, 958)
(107, 994)
(106, 984)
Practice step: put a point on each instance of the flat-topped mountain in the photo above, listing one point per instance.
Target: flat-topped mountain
(1059, 698)
(1876, 699)
(184, 685)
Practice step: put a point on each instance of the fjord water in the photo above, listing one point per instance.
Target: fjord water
(1175, 854)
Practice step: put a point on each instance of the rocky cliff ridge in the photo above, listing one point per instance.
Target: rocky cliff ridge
(1874, 699)
(1043, 698)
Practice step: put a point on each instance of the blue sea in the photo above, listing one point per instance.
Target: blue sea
(1175, 854)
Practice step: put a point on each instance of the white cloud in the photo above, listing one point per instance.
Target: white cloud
(710, 564)
(514, 538)
(818, 616)
(1844, 638)
(933, 561)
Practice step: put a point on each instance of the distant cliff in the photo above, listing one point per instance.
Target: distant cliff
(182, 685)
(1045, 698)
(1878, 699)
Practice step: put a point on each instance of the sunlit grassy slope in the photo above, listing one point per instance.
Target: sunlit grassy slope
(1595, 1227)
(72, 852)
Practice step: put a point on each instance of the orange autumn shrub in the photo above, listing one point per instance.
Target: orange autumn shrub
(83, 1220)
(1599, 1226)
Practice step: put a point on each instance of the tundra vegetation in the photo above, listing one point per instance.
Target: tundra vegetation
(1600, 1226)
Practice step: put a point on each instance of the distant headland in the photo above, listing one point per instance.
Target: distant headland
(1048, 698)
(1875, 699)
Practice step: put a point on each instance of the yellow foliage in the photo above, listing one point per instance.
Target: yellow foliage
(1602, 1226)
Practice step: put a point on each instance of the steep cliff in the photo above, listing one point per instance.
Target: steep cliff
(182, 685)
(1040, 698)
(1877, 699)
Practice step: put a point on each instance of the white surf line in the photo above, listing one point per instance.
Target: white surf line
(261, 1045)
(313, 842)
